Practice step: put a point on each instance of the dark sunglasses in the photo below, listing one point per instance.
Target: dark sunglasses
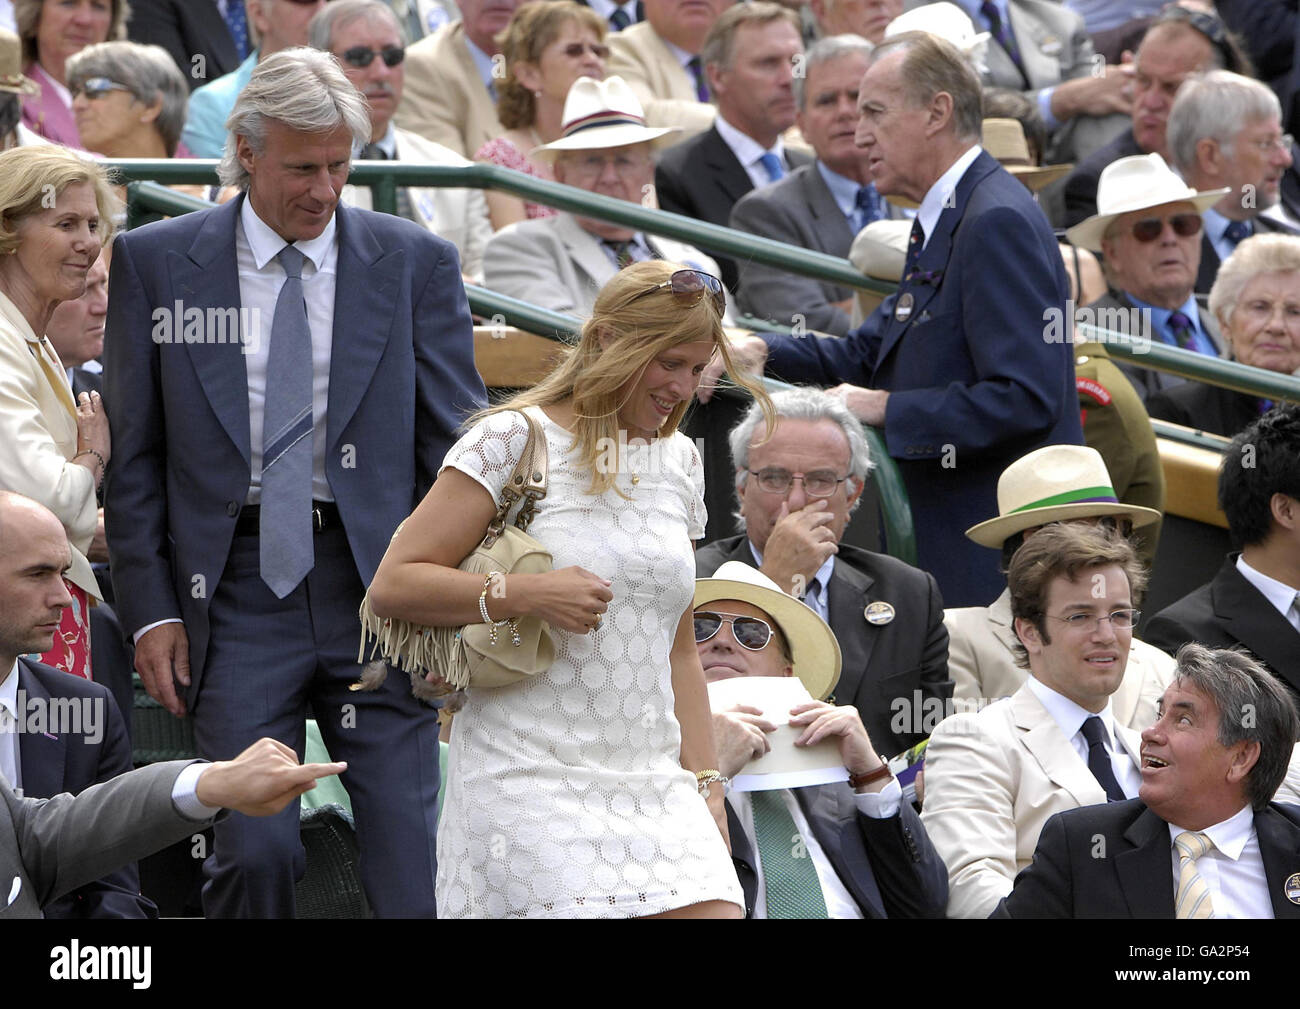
(574, 50)
(749, 632)
(97, 87)
(688, 286)
(360, 56)
(1150, 228)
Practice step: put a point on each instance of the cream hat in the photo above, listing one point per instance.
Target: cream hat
(599, 115)
(12, 80)
(879, 251)
(1004, 139)
(1136, 183)
(948, 21)
(1050, 484)
(814, 651)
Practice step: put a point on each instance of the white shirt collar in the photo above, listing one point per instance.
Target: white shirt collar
(939, 194)
(681, 55)
(1229, 836)
(387, 143)
(606, 8)
(1280, 594)
(9, 691)
(822, 576)
(1069, 716)
(746, 149)
(265, 244)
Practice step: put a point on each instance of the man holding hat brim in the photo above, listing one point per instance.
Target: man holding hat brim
(1149, 230)
(1059, 483)
(561, 262)
(865, 853)
(13, 85)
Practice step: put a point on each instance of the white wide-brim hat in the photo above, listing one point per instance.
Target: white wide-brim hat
(599, 115)
(948, 21)
(814, 652)
(1139, 182)
(1050, 484)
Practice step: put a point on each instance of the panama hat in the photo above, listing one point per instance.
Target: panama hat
(599, 115)
(814, 652)
(948, 21)
(12, 80)
(879, 251)
(1004, 139)
(1050, 484)
(1139, 182)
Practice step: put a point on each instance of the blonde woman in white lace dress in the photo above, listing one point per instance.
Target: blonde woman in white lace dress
(574, 793)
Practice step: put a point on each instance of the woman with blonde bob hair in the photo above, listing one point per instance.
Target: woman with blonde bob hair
(55, 213)
(575, 793)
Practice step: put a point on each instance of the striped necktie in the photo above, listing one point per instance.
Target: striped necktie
(1193, 897)
(1181, 328)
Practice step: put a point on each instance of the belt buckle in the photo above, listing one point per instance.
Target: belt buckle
(317, 520)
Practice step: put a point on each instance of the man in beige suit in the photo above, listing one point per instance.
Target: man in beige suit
(364, 36)
(451, 96)
(660, 59)
(1053, 484)
(994, 777)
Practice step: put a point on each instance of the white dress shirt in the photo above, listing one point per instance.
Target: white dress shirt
(1233, 869)
(1069, 718)
(940, 194)
(606, 9)
(748, 151)
(1279, 594)
(10, 766)
(839, 902)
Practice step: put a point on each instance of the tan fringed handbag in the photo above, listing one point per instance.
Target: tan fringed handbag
(476, 655)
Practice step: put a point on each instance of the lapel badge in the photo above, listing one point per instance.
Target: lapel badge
(1292, 888)
(1050, 46)
(878, 614)
(903, 308)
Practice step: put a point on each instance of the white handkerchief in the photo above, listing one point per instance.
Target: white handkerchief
(13, 891)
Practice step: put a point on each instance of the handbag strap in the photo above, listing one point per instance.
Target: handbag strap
(528, 481)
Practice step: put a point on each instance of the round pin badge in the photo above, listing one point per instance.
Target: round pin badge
(903, 309)
(878, 614)
(1050, 46)
(1292, 888)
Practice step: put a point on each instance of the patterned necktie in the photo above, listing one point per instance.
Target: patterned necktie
(373, 152)
(1181, 328)
(1002, 32)
(1192, 900)
(866, 202)
(287, 553)
(237, 22)
(915, 243)
(790, 880)
(622, 252)
(619, 19)
(1099, 759)
(772, 165)
(1236, 231)
(696, 70)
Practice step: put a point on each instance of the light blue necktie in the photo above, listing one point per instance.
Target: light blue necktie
(772, 165)
(285, 519)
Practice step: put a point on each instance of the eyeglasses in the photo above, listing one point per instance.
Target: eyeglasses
(574, 50)
(1150, 228)
(97, 87)
(360, 56)
(1283, 143)
(688, 286)
(749, 632)
(1121, 620)
(819, 483)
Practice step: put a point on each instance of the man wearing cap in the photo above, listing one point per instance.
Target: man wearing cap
(838, 850)
(1060, 483)
(561, 262)
(13, 85)
(1149, 229)
(993, 777)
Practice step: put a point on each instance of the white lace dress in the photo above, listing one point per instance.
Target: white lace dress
(566, 797)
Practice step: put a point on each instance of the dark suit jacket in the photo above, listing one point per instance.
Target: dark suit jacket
(70, 762)
(799, 210)
(1209, 268)
(52, 846)
(1081, 184)
(1205, 407)
(186, 29)
(904, 661)
(1230, 611)
(973, 383)
(1135, 880)
(1271, 30)
(402, 379)
(1114, 310)
(888, 865)
(702, 178)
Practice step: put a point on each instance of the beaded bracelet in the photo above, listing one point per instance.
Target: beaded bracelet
(510, 622)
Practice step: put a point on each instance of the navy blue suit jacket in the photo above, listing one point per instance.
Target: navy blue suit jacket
(975, 377)
(54, 763)
(889, 866)
(402, 379)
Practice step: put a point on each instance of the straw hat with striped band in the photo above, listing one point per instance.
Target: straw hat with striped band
(1050, 484)
(1004, 139)
(599, 115)
(12, 80)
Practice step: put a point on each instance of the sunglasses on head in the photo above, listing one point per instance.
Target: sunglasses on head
(574, 50)
(749, 632)
(97, 87)
(361, 56)
(1150, 228)
(689, 286)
